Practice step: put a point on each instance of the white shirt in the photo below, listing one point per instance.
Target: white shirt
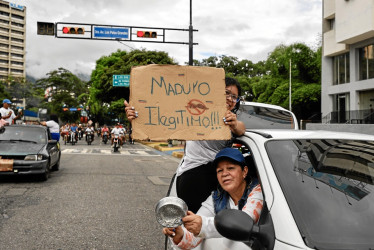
(53, 126)
(5, 112)
(198, 153)
(89, 130)
(116, 131)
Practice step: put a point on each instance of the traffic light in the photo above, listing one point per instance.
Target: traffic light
(73, 30)
(146, 34)
(47, 29)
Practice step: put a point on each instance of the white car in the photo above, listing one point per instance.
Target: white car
(318, 191)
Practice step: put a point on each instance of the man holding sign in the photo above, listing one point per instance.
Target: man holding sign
(204, 121)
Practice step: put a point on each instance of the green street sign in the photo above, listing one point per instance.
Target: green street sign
(121, 80)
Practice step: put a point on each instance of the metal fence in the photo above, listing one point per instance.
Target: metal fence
(365, 116)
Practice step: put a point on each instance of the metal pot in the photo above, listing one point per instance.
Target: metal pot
(170, 211)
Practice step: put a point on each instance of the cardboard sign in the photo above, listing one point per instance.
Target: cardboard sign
(178, 102)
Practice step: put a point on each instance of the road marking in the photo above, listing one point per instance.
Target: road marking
(160, 180)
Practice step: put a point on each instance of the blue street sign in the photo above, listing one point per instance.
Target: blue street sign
(121, 80)
(110, 32)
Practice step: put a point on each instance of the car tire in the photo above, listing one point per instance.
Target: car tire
(56, 167)
(44, 176)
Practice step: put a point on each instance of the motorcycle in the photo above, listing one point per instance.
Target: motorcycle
(105, 137)
(89, 138)
(80, 134)
(116, 143)
(72, 138)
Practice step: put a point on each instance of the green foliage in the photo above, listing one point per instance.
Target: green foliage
(118, 63)
(268, 81)
(66, 89)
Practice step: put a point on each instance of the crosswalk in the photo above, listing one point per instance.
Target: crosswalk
(98, 151)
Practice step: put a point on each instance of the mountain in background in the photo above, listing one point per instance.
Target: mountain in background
(82, 76)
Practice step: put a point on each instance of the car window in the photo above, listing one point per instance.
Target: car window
(329, 187)
(257, 117)
(24, 133)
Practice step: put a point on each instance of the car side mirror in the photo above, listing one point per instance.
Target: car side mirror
(234, 224)
(239, 226)
(52, 141)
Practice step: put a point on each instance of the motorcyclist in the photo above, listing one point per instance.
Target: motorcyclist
(122, 134)
(73, 129)
(116, 131)
(80, 130)
(103, 130)
(90, 129)
(65, 132)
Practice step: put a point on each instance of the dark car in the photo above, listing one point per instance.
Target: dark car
(28, 150)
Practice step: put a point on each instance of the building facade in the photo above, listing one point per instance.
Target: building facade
(12, 40)
(348, 61)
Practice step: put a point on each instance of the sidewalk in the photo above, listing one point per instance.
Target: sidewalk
(176, 150)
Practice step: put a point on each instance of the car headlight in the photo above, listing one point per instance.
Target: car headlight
(37, 157)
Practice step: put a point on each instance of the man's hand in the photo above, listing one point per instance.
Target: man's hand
(193, 223)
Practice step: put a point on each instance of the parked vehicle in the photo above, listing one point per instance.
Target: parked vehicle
(105, 137)
(28, 150)
(116, 143)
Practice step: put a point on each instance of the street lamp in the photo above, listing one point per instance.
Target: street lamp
(190, 60)
(290, 85)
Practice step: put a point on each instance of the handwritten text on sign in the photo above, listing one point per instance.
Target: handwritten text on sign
(178, 102)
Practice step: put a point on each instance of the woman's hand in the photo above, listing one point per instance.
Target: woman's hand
(237, 127)
(130, 111)
(175, 233)
(193, 223)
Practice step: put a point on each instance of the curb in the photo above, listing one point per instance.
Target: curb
(175, 151)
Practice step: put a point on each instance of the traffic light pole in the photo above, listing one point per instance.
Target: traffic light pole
(190, 61)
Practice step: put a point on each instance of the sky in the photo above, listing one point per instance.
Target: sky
(246, 29)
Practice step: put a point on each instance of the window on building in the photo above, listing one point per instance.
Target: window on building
(332, 24)
(17, 47)
(17, 71)
(17, 63)
(17, 55)
(17, 24)
(17, 40)
(341, 69)
(4, 69)
(17, 17)
(2, 13)
(4, 37)
(4, 5)
(17, 32)
(2, 53)
(366, 62)
(2, 45)
(4, 29)
(4, 21)
(3, 61)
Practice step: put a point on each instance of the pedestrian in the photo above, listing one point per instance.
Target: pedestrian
(7, 113)
(196, 176)
(54, 127)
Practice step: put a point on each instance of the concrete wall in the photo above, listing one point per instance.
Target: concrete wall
(352, 128)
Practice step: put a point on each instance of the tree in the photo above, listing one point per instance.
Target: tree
(67, 90)
(118, 63)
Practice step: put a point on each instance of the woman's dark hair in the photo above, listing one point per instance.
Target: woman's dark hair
(54, 117)
(229, 81)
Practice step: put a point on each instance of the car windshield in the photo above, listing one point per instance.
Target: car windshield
(329, 187)
(255, 117)
(23, 134)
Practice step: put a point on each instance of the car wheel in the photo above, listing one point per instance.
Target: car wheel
(44, 176)
(56, 167)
